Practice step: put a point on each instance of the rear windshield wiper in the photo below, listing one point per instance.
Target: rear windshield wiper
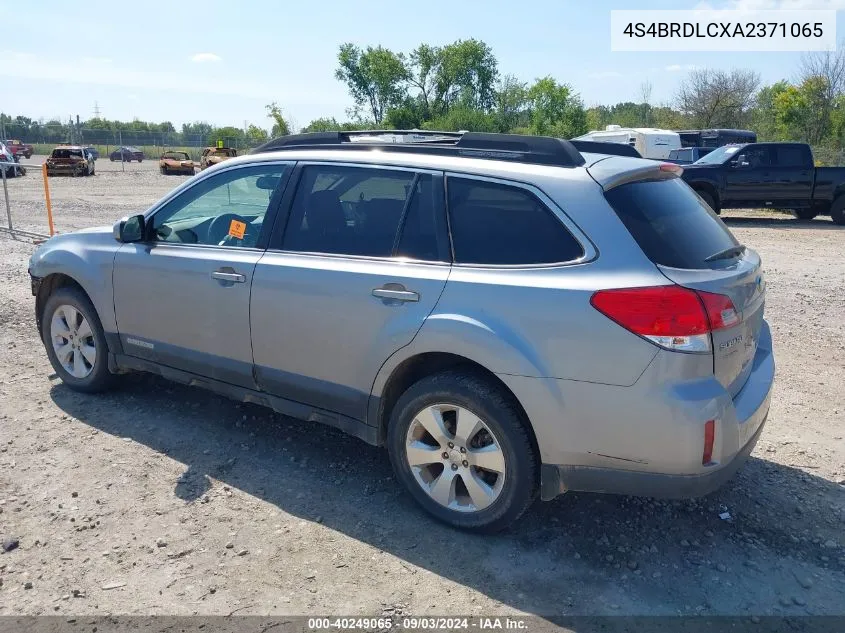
(733, 251)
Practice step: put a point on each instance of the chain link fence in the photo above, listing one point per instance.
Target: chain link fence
(153, 143)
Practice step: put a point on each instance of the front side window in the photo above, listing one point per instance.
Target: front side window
(363, 211)
(227, 209)
(496, 224)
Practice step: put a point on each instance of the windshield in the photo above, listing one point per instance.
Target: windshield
(67, 153)
(176, 155)
(719, 156)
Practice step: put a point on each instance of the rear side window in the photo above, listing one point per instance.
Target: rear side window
(497, 224)
(671, 224)
(363, 211)
(790, 156)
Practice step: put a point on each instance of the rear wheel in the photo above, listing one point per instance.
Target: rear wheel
(459, 446)
(805, 214)
(837, 211)
(75, 341)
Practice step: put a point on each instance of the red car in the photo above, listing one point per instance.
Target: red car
(18, 148)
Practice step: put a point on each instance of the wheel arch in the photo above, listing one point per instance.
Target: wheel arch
(710, 188)
(48, 286)
(423, 364)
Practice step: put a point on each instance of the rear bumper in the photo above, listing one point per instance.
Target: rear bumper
(647, 439)
(556, 480)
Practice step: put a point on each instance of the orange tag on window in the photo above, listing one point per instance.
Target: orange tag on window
(237, 229)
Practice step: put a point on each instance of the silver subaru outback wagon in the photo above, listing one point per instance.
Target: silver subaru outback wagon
(509, 317)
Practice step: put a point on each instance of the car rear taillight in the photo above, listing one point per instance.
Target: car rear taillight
(672, 317)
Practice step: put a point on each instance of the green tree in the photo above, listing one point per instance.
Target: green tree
(376, 77)
(799, 111)
(281, 127)
(555, 110)
(511, 103)
(764, 117)
(466, 75)
(421, 73)
(256, 135)
(461, 118)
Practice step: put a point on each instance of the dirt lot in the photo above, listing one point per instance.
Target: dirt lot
(159, 499)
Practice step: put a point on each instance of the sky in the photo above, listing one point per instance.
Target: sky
(223, 61)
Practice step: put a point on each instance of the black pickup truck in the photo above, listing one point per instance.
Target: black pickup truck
(775, 175)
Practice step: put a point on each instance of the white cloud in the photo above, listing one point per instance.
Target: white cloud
(205, 57)
(94, 72)
(674, 68)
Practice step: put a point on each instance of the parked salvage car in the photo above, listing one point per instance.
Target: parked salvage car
(71, 160)
(509, 317)
(19, 148)
(127, 154)
(9, 163)
(214, 155)
(774, 175)
(176, 163)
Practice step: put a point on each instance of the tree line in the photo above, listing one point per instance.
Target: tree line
(458, 86)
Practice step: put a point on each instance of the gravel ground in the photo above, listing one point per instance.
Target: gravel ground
(162, 499)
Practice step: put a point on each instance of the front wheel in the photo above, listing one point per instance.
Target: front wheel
(75, 341)
(459, 446)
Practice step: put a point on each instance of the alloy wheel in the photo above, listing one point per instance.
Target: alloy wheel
(455, 458)
(73, 341)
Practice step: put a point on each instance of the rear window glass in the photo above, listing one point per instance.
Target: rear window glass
(67, 153)
(671, 224)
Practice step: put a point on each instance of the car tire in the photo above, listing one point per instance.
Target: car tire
(837, 211)
(140, 160)
(163, 171)
(805, 214)
(76, 369)
(111, 158)
(708, 198)
(456, 396)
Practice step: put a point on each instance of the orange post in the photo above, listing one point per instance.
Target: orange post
(47, 198)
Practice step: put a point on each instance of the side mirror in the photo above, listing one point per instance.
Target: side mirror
(129, 229)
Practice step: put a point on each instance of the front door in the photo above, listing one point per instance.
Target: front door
(182, 296)
(360, 266)
(749, 178)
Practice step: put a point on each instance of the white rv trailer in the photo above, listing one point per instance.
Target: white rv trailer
(648, 141)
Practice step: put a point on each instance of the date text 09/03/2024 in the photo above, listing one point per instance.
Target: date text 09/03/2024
(418, 623)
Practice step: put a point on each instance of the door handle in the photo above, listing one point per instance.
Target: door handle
(397, 294)
(225, 276)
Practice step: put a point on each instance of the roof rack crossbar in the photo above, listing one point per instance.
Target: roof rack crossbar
(542, 150)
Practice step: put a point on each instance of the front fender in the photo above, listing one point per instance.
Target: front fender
(88, 259)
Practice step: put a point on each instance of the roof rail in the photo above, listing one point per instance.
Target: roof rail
(614, 149)
(541, 150)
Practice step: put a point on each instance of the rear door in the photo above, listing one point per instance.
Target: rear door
(692, 247)
(360, 265)
(792, 175)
